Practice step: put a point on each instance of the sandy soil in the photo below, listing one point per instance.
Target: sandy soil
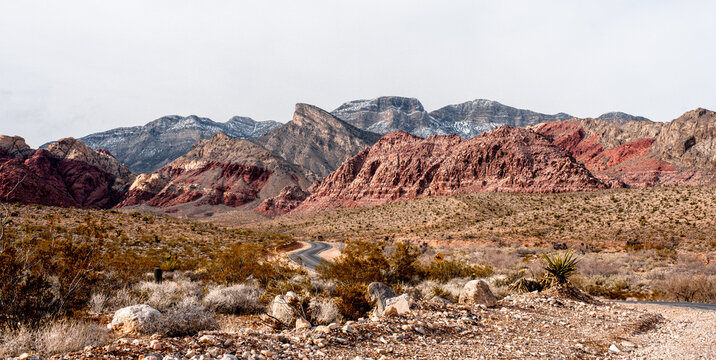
(686, 334)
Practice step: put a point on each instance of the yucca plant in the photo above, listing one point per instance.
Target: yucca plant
(560, 267)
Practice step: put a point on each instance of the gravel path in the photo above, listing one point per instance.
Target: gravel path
(687, 334)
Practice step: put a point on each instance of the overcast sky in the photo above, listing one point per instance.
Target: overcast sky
(70, 68)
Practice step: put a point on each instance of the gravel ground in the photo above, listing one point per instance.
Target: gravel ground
(686, 334)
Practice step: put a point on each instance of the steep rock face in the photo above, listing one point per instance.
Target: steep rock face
(218, 171)
(40, 177)
(288, 199)
(391, 113)
(641, 153)
(404, 166)
(71, 149)
(689, 140)
(316, 140)
(149, 147)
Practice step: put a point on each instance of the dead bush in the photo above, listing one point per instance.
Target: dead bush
(323, 312)
(688, 287)
(243, 262)
(53, 338)
(164, 295)
(187, 318)
(235, 299)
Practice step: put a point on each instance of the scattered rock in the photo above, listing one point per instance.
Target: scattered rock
(398, 305)
(379, 294)
(302, 323)
(477, 292)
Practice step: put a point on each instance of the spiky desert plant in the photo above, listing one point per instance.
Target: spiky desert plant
(560, 267)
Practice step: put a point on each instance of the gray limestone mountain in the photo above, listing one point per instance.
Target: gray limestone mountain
(149, 147)
(391, 113)
(620, 117)
(316, 140)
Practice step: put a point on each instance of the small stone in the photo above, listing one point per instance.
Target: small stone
(228, 357)
(323, 329)
(302, 323)
(614, 349)
(155, 345)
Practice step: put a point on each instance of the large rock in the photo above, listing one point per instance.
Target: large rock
(379, 294)
(137, 319)
(398, 305)
(281, 309)
(477, 292)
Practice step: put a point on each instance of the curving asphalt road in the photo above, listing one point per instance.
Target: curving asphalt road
(309, 257)
(696, 306)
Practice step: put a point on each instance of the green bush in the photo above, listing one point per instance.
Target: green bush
(560, 267)
(361, 262)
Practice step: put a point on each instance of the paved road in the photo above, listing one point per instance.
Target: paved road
(309, 257)
(697, 306)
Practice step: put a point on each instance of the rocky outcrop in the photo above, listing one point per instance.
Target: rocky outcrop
(379, 293)
(288, 199)
(316, 140)
(149, 147)
(219, 171)
(49, 178)
(641, 153)
(392, 113)
(403, 166)
(71, 149)
(13, 146)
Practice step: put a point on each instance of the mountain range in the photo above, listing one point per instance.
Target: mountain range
(320, 160)
(147, 148)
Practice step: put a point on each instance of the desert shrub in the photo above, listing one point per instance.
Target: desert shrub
(52, 338)
(187, 318)
(451, 269)
(524, 285)
(97, 303)
(65, 336)
(164, 295)
(687, 287)
(404, 266)
(352, 302)
(560, 267)
(361, 262)
(323, 312)
(248, 261)
(25, 295)
(234, 299)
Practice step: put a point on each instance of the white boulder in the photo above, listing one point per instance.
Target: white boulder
(477, 292)
(138, 319)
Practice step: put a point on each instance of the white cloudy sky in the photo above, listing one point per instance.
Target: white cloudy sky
(69, 68)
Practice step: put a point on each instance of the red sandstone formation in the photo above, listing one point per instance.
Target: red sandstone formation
(644, 153)
(219, 171)
(403, 166)
(40, 177)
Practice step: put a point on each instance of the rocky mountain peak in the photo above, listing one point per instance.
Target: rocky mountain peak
(14, 146)
(620, 117)
(316, 140)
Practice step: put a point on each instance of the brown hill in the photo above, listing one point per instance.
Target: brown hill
(643, 153)
(316, 140)
(218, 171)
(79, 177)
(403, 166)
